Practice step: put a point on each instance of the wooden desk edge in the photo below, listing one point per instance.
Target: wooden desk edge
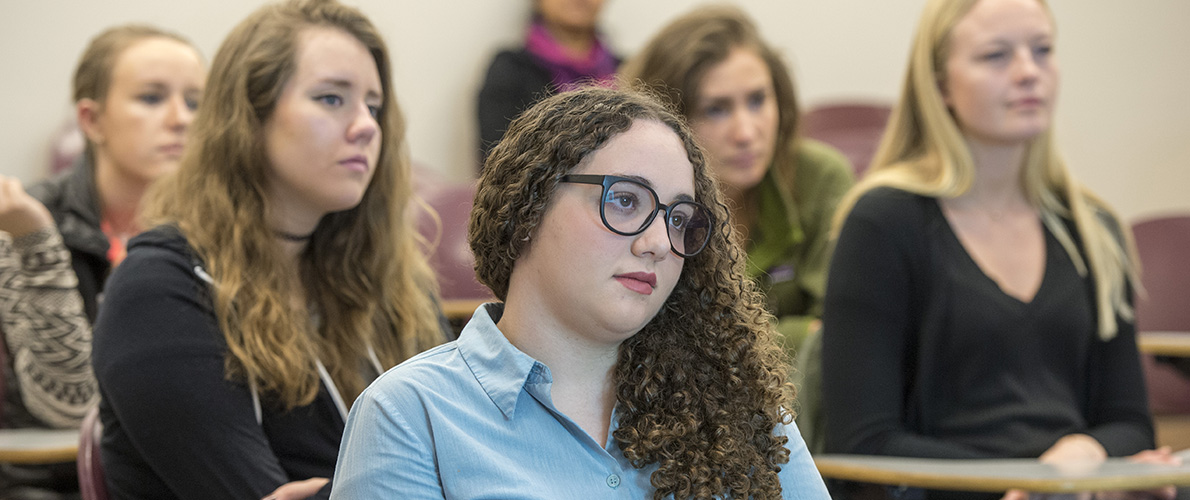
(829, 468)
(1164, 343)
(39, 456)
(462, 309)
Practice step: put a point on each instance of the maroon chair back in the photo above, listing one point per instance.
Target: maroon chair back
(451, 257)
(92, 482)
(853, 128)
(1163, 246)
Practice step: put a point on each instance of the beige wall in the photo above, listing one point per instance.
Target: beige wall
(1124, 121)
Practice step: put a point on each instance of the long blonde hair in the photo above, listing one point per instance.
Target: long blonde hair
(923, 152)
(363, 271)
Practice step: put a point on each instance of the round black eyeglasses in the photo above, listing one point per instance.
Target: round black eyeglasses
(628, 207)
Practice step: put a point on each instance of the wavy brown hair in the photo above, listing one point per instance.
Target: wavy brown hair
(675, 60)
(701, 388)
(363, 271)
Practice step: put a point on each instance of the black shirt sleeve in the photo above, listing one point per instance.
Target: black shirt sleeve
(174, 426)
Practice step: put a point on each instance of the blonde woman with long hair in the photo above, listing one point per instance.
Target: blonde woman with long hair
(979, 303)
(283, 275)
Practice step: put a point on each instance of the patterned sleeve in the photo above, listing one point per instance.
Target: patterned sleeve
(45, 328)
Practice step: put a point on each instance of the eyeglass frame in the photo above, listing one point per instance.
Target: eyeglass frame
(606, 181)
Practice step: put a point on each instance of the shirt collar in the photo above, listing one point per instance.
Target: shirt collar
(501, 369)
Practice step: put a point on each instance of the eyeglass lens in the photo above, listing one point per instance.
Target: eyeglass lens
(629, 207)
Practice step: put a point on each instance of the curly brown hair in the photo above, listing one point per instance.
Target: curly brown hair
(701, 388)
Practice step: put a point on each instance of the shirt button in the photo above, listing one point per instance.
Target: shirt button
(613, 480)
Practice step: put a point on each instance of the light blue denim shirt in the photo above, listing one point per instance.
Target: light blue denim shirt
(473, 419)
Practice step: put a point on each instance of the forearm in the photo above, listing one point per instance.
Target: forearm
(45, 326)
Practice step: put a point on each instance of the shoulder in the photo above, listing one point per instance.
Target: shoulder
(891, 205)
(51, 192)
(822, 177)
(511, 60)
(822, 158)
(157, 260)
(422, 379)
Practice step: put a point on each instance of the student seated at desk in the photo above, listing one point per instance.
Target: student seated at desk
(134, 90)
(630, 358)
(782, 189)
(284, 275)
(979, 300)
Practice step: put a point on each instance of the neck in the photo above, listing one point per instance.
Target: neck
(576, 42)
(583, 371)
(291, 232)
(997, 174)
(119, 196)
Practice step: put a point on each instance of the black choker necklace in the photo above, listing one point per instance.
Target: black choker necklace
(296, 238)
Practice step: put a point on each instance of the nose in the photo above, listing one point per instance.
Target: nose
(743, 125)
(1025, 67)
(364, 127)
(179, 115)
(654, 240)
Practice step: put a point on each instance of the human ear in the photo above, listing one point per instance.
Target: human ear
(88, 113)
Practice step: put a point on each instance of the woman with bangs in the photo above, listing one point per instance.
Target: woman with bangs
(979, 301)
(629, 358)
(282, 277)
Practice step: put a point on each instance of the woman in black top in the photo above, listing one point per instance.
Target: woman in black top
(978, 304)
(562, 49)
(283, 278)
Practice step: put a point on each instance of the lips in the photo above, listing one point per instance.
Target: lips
(642, 283)
(171, 150)
(357, 163)
(1027, 103)
(744, 161)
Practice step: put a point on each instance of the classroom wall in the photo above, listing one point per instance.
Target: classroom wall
(1123, 122)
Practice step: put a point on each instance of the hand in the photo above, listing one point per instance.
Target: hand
(1074, 448)
(20, 214)
(1015, 495)
(298, 489)
(1163, 455)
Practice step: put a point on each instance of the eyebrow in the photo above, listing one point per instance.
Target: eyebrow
(706, 101)
(345, 84)
(642, 180)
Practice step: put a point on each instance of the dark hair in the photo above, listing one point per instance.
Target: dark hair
(702, 386)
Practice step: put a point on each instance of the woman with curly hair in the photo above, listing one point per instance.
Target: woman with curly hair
(283, 275)
(629, 357)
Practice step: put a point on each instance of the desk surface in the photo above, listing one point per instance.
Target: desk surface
(38, 446)
(1164, 343)
(462, 309)
(1001, 474)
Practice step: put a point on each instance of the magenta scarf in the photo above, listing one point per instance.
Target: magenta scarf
(598, 67)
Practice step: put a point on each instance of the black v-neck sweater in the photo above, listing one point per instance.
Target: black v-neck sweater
(925, 356)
